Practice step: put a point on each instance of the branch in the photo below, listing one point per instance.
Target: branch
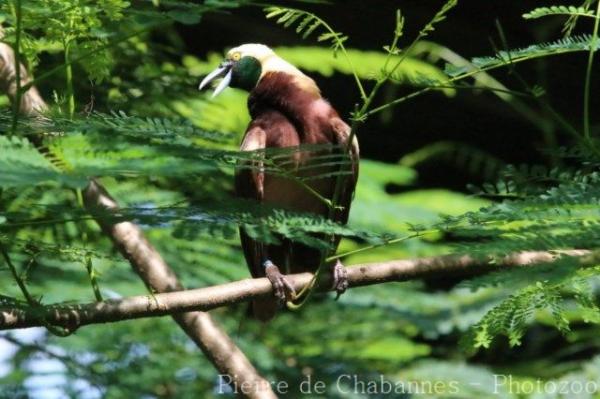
(31, 101)
(145, 260)
(173, 303)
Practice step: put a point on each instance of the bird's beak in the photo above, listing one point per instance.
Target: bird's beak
(224, 70)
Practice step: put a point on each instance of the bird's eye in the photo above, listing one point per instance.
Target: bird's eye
(236, 56)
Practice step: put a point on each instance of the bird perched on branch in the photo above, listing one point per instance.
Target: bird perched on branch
(288, 112)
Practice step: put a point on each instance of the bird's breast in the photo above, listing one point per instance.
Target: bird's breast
(301, 182)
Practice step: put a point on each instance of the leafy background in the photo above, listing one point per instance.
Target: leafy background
(131, 114)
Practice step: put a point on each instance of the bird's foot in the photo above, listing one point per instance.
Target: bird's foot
(340, 278)
(282, 288)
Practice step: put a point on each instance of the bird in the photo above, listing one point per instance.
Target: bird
(288, 111)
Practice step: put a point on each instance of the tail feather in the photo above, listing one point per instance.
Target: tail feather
(264, 309)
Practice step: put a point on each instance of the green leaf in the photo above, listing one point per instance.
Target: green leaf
(558, 10)
(185, 17)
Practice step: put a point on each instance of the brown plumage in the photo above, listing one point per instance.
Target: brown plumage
(284, 115)
(287, 112)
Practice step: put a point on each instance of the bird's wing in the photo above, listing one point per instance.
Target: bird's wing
(341, 132)
(275, 130)
(249, 183)
(250, 176)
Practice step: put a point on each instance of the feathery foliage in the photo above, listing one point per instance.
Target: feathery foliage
(307, 23)
(168, 154)
(558, 10)
(505, 58)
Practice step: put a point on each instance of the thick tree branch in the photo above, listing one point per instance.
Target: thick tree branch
(145, 260)
(208, 298)
(154, 271)
(31, 101)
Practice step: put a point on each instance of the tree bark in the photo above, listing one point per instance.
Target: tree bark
(218, 347)
(173, 303)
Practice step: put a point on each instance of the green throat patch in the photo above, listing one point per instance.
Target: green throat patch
(246, 73)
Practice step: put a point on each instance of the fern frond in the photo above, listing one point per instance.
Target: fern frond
(570, 24)
(22, 165)
(169, 129)
(306, 24)
(127, 146)
(558, 10)
(503, 58)
(211, 218)
(266, 225)
(511, 317)
(548, 288)
(566, 45)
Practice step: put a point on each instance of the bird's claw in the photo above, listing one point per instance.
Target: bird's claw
(340, 278)
(282, 288)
